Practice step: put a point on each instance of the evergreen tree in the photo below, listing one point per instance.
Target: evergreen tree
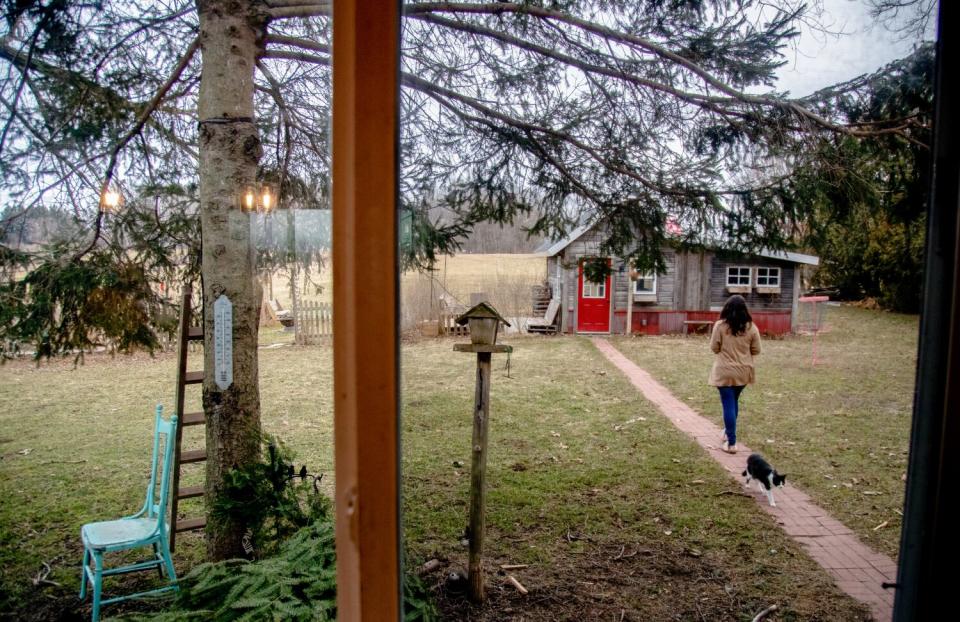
(867, 197)
(641, 112)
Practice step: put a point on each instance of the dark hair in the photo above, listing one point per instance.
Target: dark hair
(735, 314)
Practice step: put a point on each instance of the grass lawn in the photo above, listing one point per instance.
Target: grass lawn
(840, 430)
(634, 523)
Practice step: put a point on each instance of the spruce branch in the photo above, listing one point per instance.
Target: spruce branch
(144, 116)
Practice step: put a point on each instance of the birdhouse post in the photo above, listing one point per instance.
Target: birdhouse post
(484, 322)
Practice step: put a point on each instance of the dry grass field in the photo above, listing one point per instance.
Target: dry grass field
(505, 278)
(459, 274)
(462, 275)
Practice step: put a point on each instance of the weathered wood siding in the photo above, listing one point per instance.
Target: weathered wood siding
(554, 278)
(761, 302)
(692, 273)
(665, 285)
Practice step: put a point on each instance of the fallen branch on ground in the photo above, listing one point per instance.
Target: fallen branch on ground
(42, 574)
(430, 566)
(765, 613)
(517, 584)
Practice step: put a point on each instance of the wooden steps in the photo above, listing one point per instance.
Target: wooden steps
(189, 525)
(193, 419)
(194, 455)
(193, 377)
(188, 333)
(189, 492)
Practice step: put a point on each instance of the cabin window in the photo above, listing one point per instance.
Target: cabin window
(645, 285)
(594, 290)
(738, 276)
(768, 280)
(739, 279)
(768, 277)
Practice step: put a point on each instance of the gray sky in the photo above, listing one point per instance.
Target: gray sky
(820, 60)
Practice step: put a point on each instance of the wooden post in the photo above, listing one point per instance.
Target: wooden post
(478, 474)
(366, 343)
(630, 285)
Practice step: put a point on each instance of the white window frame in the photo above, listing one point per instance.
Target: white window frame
(642, 294)
(596, 290)
(772, 285)
(738, 287)
(773, 280)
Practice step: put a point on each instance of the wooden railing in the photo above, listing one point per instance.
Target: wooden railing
(449, 326)
(314, 322)
(540, 296)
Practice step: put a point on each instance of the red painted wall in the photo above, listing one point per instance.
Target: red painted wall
(666, 322)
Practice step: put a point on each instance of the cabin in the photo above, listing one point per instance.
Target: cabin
(686, 298)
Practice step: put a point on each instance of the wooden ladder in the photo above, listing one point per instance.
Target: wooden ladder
(188, 333)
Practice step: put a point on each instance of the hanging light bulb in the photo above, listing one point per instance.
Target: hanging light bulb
(110, 200)
(248, 200)
(266, 198)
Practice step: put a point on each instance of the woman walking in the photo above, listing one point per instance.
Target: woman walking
(735, 341)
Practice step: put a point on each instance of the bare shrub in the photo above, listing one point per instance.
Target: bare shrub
(418, 300)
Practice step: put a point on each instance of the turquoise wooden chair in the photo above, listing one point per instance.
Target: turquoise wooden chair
(148, 527)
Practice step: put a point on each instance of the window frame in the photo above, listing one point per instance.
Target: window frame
(645, 295)
(594, 289)
(366, 345)
(738, 287)
(768, 288)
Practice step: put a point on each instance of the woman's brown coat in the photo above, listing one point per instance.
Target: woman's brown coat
(733, 365)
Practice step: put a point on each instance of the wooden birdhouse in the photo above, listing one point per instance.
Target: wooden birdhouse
(484, 322)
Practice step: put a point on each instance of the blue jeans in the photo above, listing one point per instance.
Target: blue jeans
(730, 398)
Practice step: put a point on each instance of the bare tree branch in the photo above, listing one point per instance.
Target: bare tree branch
(141, 121)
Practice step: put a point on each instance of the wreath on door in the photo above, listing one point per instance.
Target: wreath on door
(596, 269)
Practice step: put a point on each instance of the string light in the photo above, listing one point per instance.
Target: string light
(249, 201)
(111, 200)
(258, 198)
(266, 199)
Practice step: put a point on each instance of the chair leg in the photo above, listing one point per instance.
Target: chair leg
(158, 556)
(97, 585)
(83, 573)
(167, 561)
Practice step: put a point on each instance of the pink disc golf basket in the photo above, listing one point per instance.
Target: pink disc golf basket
(810, 319)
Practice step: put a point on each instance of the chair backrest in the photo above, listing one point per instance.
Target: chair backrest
(164, 439)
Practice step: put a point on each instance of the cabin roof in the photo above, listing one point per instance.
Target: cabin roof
(549, 248)
(552, 247)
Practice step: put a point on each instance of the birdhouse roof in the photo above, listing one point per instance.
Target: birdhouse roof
(482, 310)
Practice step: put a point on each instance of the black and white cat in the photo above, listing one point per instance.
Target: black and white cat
(766, 476)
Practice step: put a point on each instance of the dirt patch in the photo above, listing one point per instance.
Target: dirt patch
(629, 581)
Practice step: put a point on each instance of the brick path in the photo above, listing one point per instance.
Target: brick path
(858, 571)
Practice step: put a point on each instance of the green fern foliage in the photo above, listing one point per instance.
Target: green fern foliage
(269, 500)
(298, 584)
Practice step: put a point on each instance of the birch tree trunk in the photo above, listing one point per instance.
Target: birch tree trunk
(231, 35)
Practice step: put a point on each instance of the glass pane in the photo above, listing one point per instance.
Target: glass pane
(578, 121)
(146, 167)
(646, 284)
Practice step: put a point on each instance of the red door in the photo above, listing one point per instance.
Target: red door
(593, 305)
